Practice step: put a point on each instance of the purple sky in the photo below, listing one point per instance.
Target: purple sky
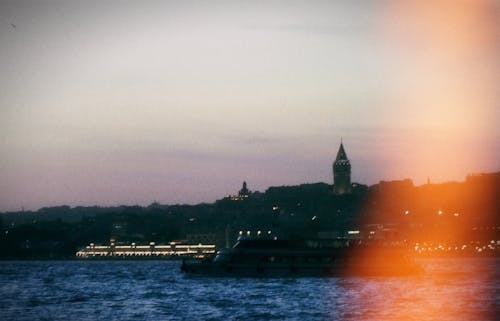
(130, 102)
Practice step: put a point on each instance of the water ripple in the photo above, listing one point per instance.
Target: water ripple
(452, 289)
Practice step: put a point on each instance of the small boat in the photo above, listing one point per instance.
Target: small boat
(273, 257)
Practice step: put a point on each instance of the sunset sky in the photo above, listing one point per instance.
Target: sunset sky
(130, 102)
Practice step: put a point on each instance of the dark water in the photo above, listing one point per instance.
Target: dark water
(451, 289)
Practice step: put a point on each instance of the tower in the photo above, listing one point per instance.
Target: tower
(244, 191)
(342, 172)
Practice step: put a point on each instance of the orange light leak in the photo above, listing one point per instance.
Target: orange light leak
(443, 60)
(434, 227)
(450, 53)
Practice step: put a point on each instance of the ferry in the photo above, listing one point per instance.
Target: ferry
(273, 257)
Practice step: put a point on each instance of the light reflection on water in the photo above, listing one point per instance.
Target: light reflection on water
(451, 289)
(458, 289)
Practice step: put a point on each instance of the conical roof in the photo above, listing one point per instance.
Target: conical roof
(341, 155)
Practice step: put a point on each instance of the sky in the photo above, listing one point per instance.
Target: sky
(130, 102)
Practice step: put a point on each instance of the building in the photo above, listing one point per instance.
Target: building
(243, 194)
(244, 191)
(342, 173)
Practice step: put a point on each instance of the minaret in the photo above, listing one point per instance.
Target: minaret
(342, 172)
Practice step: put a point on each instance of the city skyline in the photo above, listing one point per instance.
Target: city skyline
(109, 103)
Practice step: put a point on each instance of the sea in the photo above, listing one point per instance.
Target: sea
(450, 289)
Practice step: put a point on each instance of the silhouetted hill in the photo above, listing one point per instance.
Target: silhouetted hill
(451, 211)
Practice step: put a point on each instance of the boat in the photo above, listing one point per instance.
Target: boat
(273, 257)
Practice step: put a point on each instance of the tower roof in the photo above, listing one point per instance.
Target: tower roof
(341, 155)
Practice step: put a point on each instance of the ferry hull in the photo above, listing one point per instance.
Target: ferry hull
(274, 270)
